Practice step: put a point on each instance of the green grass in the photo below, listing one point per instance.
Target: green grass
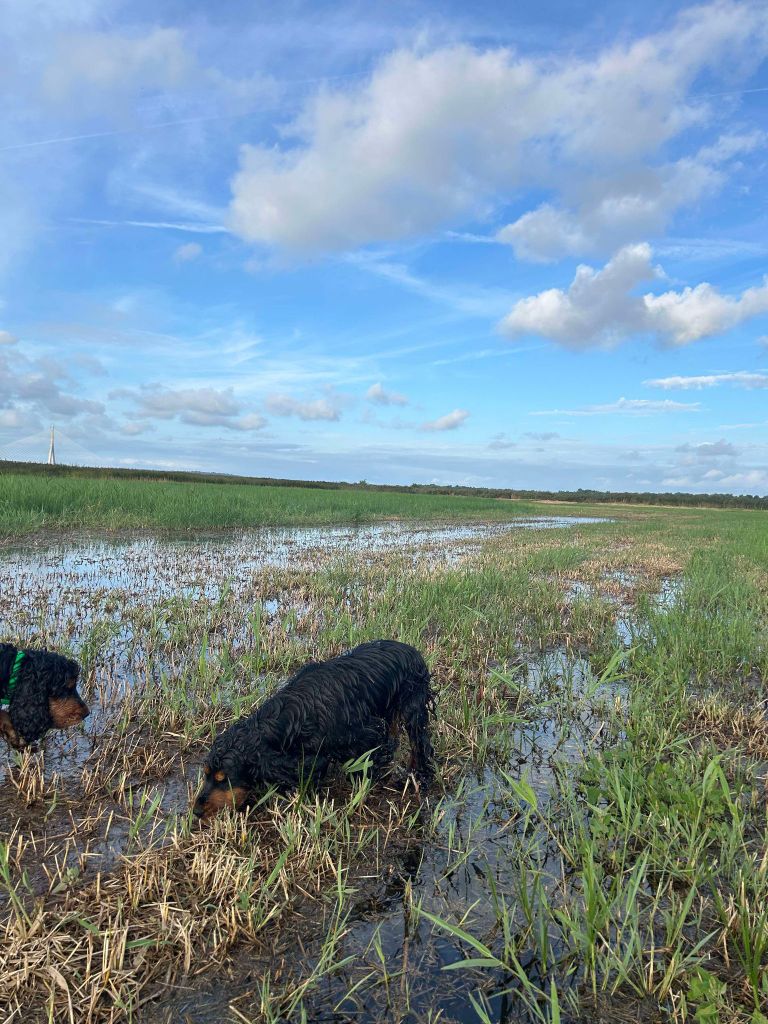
(33, 503)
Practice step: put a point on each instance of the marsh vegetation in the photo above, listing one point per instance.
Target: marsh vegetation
(594, 849)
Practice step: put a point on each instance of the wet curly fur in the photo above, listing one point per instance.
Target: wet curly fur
(45, 696)
(329, 711)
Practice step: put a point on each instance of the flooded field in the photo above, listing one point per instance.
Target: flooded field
(546, 877)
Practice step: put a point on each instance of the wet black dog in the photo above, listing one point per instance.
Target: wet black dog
(329, 711)
(39, 688)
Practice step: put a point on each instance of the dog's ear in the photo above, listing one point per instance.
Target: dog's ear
(71, 669)
(28, 708)
(57, 670)
(282, 770)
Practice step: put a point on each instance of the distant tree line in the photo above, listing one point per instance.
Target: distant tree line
(582, 495)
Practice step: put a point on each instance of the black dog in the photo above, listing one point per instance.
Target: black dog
(328, 711)
(40, 689)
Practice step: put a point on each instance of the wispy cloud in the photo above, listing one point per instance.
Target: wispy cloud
(450, 421)
(625, 407)
(187, 253)
(318, 409)
(156, 225)
(710, 449)
(741, 378)
(466, 299)
(379, 396)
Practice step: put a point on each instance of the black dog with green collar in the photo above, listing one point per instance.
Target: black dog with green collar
(38, 692)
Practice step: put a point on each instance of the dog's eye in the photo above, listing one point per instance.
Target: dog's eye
(219, 776)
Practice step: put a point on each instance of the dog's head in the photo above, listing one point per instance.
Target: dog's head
(229, 774)
(45, 696)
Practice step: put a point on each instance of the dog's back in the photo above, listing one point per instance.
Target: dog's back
(327, 704)
(378, 671)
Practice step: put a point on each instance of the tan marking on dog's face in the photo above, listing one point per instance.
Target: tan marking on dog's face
(66, 711)
(219, 776)
(218, 799)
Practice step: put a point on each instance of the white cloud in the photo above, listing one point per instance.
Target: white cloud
(747, 481)
(187, 253)
(253, 421)
(753, 481)
(682, 317)
(597, 309)
(600, 308)
(6, 338)
(436, 136)
(36, 386)
(198, 407)
(740, 378)
(319, 409)
(604, 213)
(710, 449)
(625, 406)
(450, 421)
(377, 394)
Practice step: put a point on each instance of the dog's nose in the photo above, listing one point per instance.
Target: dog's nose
(198, 809)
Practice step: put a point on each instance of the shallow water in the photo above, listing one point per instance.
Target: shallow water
(81, 593)
(163, 566)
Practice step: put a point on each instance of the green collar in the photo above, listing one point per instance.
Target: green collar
(13, 678)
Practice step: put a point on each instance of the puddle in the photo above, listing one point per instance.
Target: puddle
(618, 588)
(628, 630)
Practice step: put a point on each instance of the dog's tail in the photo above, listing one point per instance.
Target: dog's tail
(417, 710)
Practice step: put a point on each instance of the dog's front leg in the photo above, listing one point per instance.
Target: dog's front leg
(10, 734)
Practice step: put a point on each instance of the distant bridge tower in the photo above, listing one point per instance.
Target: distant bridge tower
(51, 452)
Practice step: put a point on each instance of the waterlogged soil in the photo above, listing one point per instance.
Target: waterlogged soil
(458, 870)
(96, 792)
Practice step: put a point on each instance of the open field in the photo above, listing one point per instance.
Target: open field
(30, 503)
(594, 849)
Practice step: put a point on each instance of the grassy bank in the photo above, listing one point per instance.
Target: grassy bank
(31, 503)
(595, 849)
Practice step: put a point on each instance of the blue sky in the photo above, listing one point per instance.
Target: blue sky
(506, 244)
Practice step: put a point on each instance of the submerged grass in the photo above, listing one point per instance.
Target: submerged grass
(595, 850)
